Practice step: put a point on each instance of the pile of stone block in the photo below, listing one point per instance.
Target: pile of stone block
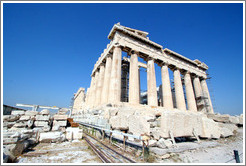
(22, 129)
(59, 122)
(161, 125)
(18, 134)
(228, 124)
(43, 121)
(226, 118)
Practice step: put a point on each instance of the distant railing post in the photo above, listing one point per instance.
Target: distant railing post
(236, 156)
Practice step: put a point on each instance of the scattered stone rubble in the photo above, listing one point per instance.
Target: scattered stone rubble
(159, 124)
(24, 129)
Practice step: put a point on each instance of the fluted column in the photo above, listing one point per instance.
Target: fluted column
(87, 96)
(191, 102)
(90, 91)
(197, 87)
(115, 78)
(100, 84)
(151, 81)
(179, 93)
(206, 94)
(95, 89)
(105, 91)
(134, 79)
(166, 88)
(198, 94)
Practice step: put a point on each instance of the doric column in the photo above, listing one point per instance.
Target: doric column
(198, 94)
(95, 89)
(179, 93)
(134, 79)
(87, 96)
(166, 88)
(151, 81)
(100, 84)
(115, 78)
(105, 91)
(197, 87)
(206, 94)
(191, 102)
(90, 91)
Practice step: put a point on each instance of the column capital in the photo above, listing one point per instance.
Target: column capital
(186, 72)
(148, 58)
(117, 45)
(109, 55)
(133, 52)
(176, 68)
(202, 78)
(101, 64)
(162, 64)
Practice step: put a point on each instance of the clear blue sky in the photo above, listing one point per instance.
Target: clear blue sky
(50, 49)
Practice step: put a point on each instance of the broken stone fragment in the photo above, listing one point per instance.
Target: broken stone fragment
(45, 112)
(8, 124)
(40, 123)
(31, 113)
(55, 127)
(152, 143)
(219, 118)
(210, 129)
(20, 124)
(10, 118)
(138, 125)
(162, 143)
(234, 119)
(24, 118)
(155, 132)
(227, 129)
(17, 112)
(10, 157)
(241, 119)
(74, 133)
(30, 123)
(119, 122)
(7, 141)
(60, 117)
(18, 148)
(42, 117)
(52, 137)
(62, 123)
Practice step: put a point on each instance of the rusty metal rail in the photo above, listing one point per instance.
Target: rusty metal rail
(98, 152)
(106, 153)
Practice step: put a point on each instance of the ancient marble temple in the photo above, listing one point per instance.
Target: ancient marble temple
(190, 90)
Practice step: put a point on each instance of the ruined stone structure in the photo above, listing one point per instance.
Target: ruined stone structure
(79, 100)
(114, 81)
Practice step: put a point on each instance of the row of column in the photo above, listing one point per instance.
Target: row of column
(106, 84)
(200, 87)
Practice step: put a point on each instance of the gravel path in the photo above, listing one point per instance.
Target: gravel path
(66, 152)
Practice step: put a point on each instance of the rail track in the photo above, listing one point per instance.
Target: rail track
(106, 153)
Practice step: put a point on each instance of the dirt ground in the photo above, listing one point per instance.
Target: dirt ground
(76, 151)
(209, 151)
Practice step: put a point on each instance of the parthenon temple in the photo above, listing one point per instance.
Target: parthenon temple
(115, 79)
(180, 106)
